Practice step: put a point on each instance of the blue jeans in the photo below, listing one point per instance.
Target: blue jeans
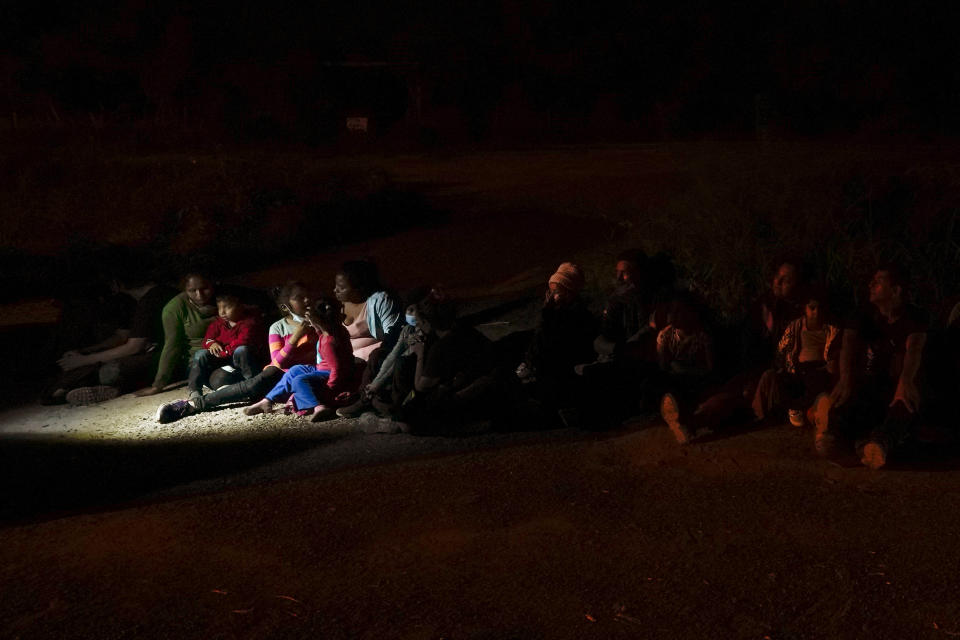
(204, 363)
(299, 381)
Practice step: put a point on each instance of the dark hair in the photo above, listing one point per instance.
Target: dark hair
(439, 313)
(687, 306)
(362, 275)
(897, 273)
(281, 295)
(228, 298)
(194, 274)
(635, 257)
(416, 295)
(326, 312)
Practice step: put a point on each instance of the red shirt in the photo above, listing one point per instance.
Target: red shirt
(245, 332)
(335, 354)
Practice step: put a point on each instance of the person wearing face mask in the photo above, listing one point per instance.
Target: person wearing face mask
(395, 374)
(292, 340)
(185, 319)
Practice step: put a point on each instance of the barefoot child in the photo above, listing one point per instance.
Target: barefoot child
(315, 390)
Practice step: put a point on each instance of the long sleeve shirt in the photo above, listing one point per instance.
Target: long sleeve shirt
(283, 353)
(184, 327)
(246, 332)
(335, 354)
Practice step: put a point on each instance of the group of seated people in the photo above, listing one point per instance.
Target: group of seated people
(414, 366)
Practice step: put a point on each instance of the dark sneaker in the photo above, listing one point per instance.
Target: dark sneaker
(874, 455)
(670, 412)
(173, 411)
(91, 395)
(355, 410)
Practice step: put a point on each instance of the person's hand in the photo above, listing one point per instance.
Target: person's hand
(215, 349)
(768, 319)
(149, 391)
(841, 392)
(72, 360)
(71, 353)
(907, 394)
(417, 349)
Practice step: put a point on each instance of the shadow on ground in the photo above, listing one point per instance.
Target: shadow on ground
(45, 479)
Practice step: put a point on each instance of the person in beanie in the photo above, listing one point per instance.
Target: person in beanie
(563, 339)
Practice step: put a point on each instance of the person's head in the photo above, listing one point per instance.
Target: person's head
(565, 284)
(199, 289)
(293, 299)
(229, 307)
(816, 305)
(327, 314)
(356, 281)
(785, 280)
(629, 267)
(413, 299)
(435, 313)
(685, 314)
(889, 285)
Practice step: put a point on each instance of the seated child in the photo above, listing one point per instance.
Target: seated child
(315, 390)
(231, 340)
(394, 377)
(453, 378)
(807, 362)
(685, 358)
(291, 341)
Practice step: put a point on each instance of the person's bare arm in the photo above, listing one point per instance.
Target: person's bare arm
(844, 386)
(907, 391)
(123, 346)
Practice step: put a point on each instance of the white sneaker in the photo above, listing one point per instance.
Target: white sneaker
(796, 417)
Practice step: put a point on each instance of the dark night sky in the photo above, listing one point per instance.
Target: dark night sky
(823, 66)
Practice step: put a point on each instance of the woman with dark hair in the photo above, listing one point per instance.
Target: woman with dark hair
(185, 319)
(371, 315)
(292, 340)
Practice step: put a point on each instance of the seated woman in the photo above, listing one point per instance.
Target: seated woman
(291, 341)
(453, 379)
(807, 358)
(316, 390)
(372, 315)
(563, 339)
(685, 357)
(185, 319)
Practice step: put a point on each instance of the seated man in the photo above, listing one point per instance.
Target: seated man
(876, 401)
(124, 361)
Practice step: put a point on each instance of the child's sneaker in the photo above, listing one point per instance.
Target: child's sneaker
(91, 395)
(173, 411)
(796, 417)
(670, 412)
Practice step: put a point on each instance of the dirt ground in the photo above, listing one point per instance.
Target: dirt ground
(563, 535)
(223, 526)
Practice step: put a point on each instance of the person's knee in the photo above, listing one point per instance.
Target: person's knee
(201, 357)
